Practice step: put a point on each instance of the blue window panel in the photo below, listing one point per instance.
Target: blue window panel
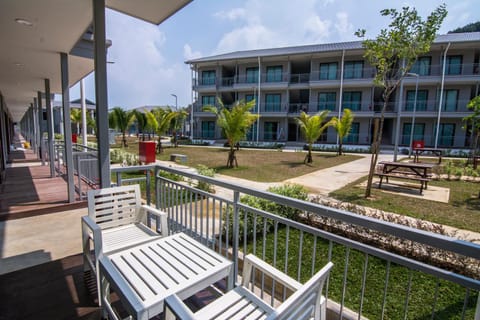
(352, 100)
(422, 97)
(327, 101)
(273, 102)
(353, 70)
(252, 75)
(274, 74)
(328, 71)
(208, 77)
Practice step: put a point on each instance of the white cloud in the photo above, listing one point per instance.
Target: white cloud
(189, 54)
(343, 26)
(246, 38)
(232, 15)
(317, 29)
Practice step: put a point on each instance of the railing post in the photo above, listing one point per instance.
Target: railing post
(119, 179)
(147, 187)
(79, 176)
(157, 190)
(236, 200)
(477, 310)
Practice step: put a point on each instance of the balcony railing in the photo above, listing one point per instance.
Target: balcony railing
(371, 281)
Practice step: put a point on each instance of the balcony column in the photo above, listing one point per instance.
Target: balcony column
(41, 152)
(3, 137)
(340, 94)
(100, 60)
(441, 95)
(67, 127)
(35, 126)
(48, 105)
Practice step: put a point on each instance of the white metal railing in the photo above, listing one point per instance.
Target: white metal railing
(373, 282)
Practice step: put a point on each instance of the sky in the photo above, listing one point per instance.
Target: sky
(149, 61)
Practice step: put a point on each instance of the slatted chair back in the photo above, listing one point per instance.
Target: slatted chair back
(114, 207)
(306, 301)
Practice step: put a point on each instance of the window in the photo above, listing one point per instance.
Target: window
(450, 100)
(270, 131)
(447, 132)
(327, 101)
(208, 129)
(454, 65)
(422, 97)
(352, 100)
(353, 70)
(208, 101)
(274, 74)
(422, 66)
(252, 132)
(418, 132)
(352, 136)
(273, 102)
(328, 71)
(252, 75)
(208, 77)
(250, 97)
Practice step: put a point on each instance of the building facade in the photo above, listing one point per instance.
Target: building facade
(428, 105)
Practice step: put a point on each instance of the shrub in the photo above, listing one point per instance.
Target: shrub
(208, 172)
(288, 190)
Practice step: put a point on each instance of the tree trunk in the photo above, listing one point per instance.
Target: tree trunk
(159, 144)
(124, 140)
(377, 138)
(340, 147)
(308, 157)
(232, 159)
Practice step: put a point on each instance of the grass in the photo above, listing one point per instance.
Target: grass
(462, 211)
(258, 165)
(421, 299)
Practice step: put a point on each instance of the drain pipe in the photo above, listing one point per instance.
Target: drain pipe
(340, 97)
(441, 94)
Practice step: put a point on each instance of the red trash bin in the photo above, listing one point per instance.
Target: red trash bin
(74, 137)
(146, 151)
(418, 144)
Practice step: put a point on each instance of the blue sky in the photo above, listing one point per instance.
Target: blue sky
(150, 60)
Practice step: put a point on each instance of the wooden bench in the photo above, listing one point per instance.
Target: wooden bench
(181, 157)
(423, 181)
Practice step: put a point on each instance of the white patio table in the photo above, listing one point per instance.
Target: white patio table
(144, 275)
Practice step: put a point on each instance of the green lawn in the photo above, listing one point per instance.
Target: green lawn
(258, 165)
(462, 211)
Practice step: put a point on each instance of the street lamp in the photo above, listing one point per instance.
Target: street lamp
(413, 116)
(176, 99)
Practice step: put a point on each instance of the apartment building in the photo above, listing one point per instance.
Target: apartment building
(432, 98)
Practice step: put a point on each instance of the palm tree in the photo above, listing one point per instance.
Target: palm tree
(312, 128)
(176, 125)
(121, 120)
(141, 120)
(160, 120)
(234, 123)
(76, 118)
(342, 126)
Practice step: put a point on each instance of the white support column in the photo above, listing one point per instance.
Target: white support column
(101, 95)
(67, 127)
(84, 112)
(48, 105)
(441, 95)
(41, 146)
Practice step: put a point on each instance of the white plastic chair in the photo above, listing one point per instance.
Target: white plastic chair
(117, 220)
(306, 302)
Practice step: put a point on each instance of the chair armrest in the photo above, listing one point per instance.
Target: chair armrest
(252, 261)
(88, 222)
(161, 216)
(179, 309)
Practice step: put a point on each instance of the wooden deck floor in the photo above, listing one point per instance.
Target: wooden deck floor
(28, 188)
(53, 290)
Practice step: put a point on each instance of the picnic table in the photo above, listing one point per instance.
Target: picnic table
(144, 276)
(405, 170)
(419, 151)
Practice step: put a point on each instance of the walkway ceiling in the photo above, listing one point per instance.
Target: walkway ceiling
(33, 33)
